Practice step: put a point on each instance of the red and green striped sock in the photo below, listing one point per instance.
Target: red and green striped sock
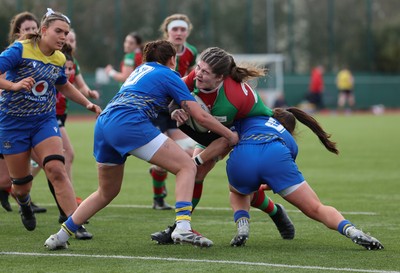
(197, 192)
(159, 178)
(262, 202)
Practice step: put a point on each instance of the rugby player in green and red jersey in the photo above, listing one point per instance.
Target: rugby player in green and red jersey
(222, 86)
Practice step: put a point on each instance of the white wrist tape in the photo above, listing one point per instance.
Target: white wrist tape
(197, 160)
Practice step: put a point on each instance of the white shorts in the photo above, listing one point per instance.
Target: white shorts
(147, 151)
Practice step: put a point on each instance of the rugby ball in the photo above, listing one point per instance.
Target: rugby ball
(192, 122)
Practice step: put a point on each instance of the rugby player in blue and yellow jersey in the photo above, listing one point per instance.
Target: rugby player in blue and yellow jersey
(35, 68)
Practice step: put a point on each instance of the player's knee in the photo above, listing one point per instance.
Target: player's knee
(192, 167)
(188, 167)
(22, 181)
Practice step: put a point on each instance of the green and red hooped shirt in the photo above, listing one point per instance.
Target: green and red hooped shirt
(231, 101)
(61, 100)
(186, 59)
(133, 59)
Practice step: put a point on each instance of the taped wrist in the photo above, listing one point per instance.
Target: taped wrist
(197, 160)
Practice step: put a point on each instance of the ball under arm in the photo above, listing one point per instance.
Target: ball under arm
(202, 138)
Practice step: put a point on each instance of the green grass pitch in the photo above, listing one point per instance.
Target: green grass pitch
(363, 182)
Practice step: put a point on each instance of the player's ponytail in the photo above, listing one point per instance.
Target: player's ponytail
(223, 63)
(287, 117)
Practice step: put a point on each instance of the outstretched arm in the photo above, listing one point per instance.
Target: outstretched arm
(119, 76)
(84, 88)
(69, 91)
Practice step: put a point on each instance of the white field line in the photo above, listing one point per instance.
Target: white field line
(320, 268)
(216, 209)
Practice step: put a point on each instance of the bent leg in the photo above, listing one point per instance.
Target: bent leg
(69, 153)
(305, 199)
(110, 181)
(56, 173)
(241, 206)
(180, 164)
(19, 167)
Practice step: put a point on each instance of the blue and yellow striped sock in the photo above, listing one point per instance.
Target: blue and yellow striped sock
(343, 226)
(183, 211)
(70, 227)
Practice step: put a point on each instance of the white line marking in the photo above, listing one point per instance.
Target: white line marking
(215, 209)
(199, 261)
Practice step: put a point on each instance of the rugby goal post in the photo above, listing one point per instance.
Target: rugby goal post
(270, 87)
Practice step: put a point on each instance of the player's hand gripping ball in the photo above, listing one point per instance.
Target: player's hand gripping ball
(192, 122)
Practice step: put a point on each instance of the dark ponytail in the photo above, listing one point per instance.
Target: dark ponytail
(287, 117)
(223, 63)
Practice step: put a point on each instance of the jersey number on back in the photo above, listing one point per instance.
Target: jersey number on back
(137, 74)
(273, 123)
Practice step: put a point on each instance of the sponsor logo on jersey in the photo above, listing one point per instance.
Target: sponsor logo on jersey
(221, 118)
(40, 88)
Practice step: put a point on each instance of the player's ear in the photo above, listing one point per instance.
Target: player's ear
(172, 62)
(43, 30)
(219, 77)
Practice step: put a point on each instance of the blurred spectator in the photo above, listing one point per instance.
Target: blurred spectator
(132, 58)
(345, 86)
(316, 87)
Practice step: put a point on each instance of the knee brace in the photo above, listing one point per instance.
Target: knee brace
(22, 181)
(53, 157)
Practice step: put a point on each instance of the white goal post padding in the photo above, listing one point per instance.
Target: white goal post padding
(269, 87)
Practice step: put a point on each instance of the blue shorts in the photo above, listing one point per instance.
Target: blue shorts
(117, 133)
(250, 165)
(19, 135)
